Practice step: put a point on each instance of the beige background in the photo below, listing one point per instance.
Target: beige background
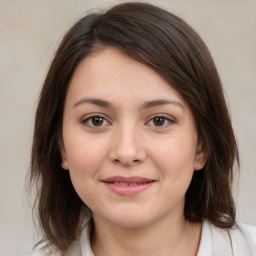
(29, 33)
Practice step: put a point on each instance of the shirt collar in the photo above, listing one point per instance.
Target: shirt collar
(205, 247)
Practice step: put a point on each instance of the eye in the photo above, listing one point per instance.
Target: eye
(95, 121)
(160, 121)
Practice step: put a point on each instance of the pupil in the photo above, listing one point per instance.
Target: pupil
(159, 121)
(97, 121)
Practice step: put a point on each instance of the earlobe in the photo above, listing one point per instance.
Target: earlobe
(200, 158)
(64, 164)
(64, 161)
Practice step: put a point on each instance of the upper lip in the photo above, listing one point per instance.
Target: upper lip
(132, 179)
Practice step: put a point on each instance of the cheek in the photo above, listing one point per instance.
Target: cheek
(85, 155)
(85, 159)
(175, 158)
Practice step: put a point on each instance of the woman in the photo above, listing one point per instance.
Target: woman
(133, 148)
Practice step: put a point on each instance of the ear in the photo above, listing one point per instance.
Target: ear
(64, 160)
(200, 157)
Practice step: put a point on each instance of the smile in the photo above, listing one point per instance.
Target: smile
(128, 186)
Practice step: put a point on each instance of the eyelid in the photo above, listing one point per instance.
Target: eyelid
(165, 116)
(86, 118)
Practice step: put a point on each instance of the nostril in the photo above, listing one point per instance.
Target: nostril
(126, 162)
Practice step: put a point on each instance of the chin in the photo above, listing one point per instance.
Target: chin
(130, 219)
(131, 224)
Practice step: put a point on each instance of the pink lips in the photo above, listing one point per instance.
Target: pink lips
(128, 185)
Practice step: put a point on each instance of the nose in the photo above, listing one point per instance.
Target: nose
(127, 146)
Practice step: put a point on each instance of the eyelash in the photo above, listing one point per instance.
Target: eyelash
(88, 121)
(162, 116)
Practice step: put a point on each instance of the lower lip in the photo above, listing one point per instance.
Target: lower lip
(128, 190)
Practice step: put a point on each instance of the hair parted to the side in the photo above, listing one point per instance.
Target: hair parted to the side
(172, 48)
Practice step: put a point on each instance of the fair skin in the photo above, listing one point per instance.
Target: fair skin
(131, 147)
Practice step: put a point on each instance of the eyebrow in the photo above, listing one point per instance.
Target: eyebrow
(145, 105)
(98, 102)
(154, 103)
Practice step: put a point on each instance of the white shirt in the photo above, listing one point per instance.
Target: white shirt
(238, 241)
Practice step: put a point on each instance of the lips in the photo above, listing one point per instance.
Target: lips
(128, 185)
(128, 180)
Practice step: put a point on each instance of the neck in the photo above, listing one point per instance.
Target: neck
(176, 237)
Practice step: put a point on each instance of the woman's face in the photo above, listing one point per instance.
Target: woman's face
(129, 141)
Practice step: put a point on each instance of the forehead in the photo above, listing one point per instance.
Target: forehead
(110, 72)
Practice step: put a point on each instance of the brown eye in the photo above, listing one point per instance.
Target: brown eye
(97, 121)
(159, 121)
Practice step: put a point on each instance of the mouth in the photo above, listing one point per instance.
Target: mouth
(128, 185)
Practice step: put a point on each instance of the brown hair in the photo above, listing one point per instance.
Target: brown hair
(168, 45)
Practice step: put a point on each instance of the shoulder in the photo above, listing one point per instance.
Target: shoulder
(39, 252)
(240, 238)
(41, 249)
(80, 247)
(42, 253)
(249, 231)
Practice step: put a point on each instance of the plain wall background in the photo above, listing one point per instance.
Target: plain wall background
(29, 34)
